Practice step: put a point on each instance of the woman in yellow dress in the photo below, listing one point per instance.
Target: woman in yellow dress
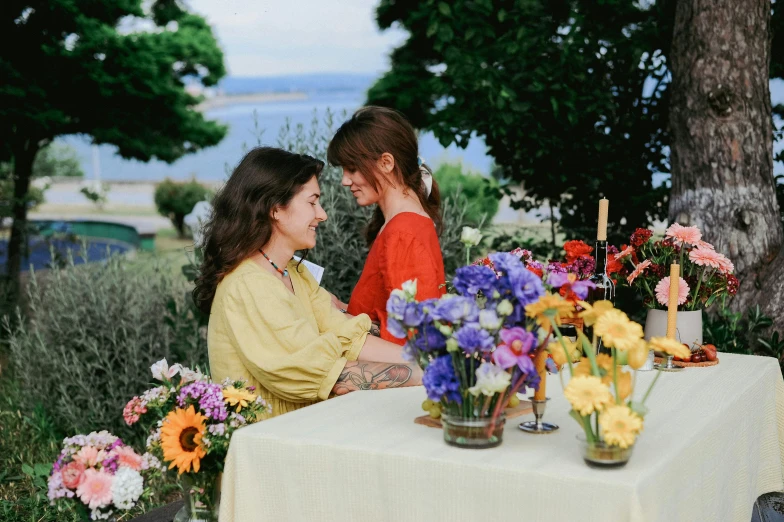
(270, 322)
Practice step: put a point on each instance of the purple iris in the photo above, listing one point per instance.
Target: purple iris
(517, 346)
(472, 338)
(440, 381)
(472, 279)
(580, 288)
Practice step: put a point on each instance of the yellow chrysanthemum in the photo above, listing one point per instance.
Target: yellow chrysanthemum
(181, 435)
(587, 394)
(638, 355)
(239, 397)
(624, 382)
(617, 331)
(619, 426)
(583, 369)
(557, 351)
(670, 346)
(592, 313)
(549, 307)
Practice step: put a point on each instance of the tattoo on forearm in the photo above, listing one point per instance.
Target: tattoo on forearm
(371, 376)
(375, 330)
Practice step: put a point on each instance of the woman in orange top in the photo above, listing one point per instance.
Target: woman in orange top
(377, 149)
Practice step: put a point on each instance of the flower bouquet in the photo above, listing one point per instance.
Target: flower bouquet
(476, 347)
(191, 420)
(600, 392)
(706, 275)
(101, 472)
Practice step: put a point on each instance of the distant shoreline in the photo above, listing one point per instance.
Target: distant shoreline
(259, 97)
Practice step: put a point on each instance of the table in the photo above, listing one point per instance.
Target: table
(713, 442)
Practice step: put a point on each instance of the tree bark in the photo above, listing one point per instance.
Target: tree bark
(24, 156)
(722, 143)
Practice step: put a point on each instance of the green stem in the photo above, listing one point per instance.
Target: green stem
(589, 352)
(683, 249)
(697, 292)
(645, 397)
(615, 376)
(561, 340)
(468, 255)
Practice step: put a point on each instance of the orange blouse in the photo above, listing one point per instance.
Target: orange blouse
(407, 248)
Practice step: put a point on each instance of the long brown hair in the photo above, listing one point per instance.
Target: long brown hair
(241, 221)
(359, 144)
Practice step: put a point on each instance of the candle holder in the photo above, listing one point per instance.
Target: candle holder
(667, 365)
(537, 426)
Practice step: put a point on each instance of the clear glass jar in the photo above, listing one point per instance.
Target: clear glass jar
(202, 498)
(598, 454)
(473, 432)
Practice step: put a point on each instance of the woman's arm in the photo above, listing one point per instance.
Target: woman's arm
(376, 349)
(366, 375)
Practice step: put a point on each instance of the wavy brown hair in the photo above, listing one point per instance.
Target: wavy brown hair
(359, 144)
(241, 222)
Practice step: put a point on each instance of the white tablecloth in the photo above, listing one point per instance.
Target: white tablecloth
(713, 442)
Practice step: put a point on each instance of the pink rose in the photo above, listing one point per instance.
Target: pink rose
(72, 474)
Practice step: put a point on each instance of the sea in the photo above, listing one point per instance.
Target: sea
(336, 92)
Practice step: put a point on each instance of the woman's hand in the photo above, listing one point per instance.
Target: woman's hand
(337, 303)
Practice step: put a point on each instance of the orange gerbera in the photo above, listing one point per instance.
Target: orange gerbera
(181, 435)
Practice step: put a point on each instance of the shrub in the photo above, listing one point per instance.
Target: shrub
(341, 245)
(478, 195)
(91, 334)
(748, 334)
(175, 200)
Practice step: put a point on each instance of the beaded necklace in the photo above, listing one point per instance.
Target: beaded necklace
(284, 273)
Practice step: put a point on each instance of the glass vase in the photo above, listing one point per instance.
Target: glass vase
(202, 498)
(473, 432)
(598, 454)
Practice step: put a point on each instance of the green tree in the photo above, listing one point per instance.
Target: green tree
(176, 200)
(57, 161)
(569, 95)
(476, 194)
(114, 70)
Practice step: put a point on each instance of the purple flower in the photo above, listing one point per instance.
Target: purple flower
(396, 305)
(556, 267)
(527, 286)
(579, 288)
(413, 315)
(506, 263)
(110, 464)
(440, 380)
(208, 396)
(583, 266)
(518, 343)
(472, 338)
(395, 328)
(472, 279)
(429, 339)
(454, 309)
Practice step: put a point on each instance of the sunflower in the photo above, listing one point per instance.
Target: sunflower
(181, 435)
(587, 394)
(549, 307)
(670, 346)
(239, 397)
(619, 426)
(617, 330)
(591, 313)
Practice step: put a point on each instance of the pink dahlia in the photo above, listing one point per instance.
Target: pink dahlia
(663, 291)
(690, 235)
(96, 489)
(639, 269)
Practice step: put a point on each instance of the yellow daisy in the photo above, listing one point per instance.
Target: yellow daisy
(239, 397)
(591, 313)
(617, 331)
(582, 369)
(624, 382)
(557, 351)
(619, 426)
(638, 355)
(181, 435)
(587, 394)
(670, 346)
(549, 306)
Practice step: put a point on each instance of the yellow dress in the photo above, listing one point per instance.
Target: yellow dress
(292, 347)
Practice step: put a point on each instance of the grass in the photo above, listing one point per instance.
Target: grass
(30, 442)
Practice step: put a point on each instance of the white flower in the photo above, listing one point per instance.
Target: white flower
(161, 371)
(505, 308)
(489, 320)
(127, 487)
(410, 288)
(97, 514)
(470, 236)
(189, 375)
(150, 461)
(490, 379)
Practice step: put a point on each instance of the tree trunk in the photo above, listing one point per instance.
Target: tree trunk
(24, 156)
(722, 144)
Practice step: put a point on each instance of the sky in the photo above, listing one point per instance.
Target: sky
(277, 37)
